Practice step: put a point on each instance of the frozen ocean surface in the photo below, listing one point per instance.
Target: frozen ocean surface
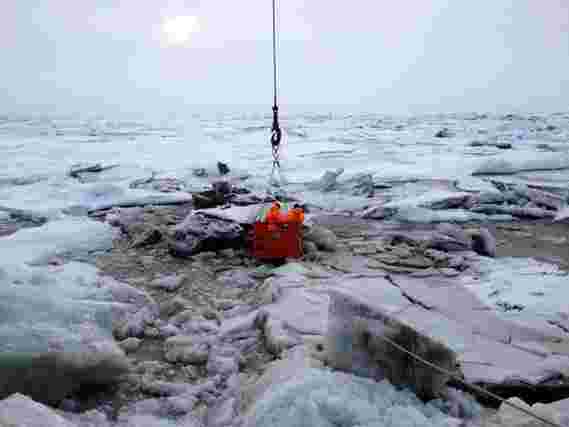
(38, 151)
(48, 292)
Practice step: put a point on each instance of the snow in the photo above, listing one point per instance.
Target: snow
(322, 398)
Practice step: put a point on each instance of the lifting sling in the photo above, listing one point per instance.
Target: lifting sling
(276, 133)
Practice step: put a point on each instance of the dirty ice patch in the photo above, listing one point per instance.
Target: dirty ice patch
(321, 398)
(521, 285)
(73, 238)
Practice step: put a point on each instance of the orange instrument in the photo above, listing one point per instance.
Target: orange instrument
(277, 233)
(296, 214)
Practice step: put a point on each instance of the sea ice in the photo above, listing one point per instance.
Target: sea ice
(436, 199)
(536, 161)
(44, 301)
(427, 216)
(42, 309)
(75, 237)
(522, 284)
(322, 398)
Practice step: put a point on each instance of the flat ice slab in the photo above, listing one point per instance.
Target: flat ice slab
(490, 349)
(45, 300)
(238, 214)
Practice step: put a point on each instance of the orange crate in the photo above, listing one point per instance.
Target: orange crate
(276, 241)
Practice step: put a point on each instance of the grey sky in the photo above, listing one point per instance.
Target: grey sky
(374, 55)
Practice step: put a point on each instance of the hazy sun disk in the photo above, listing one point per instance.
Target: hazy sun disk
(179, 29)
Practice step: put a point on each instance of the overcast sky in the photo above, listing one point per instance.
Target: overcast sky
(398, 56)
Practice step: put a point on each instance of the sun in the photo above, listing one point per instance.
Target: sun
(178, 30)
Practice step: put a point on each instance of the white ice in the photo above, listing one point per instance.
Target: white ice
(539, 287)
(45, 304)
(75, 237)
(427, 216)
(528, 161)
(321, 398)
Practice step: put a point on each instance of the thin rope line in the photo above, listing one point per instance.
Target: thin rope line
(475, 387)
(274, 52)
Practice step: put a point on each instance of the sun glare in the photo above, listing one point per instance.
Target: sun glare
(179, 29)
